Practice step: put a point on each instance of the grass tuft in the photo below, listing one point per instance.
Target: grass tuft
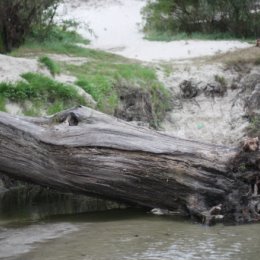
(103, 81)
(221, 80)
(56, 107)
(51, 65)
(100, 80)
(42, 91)
(2, 104)
(60, 41)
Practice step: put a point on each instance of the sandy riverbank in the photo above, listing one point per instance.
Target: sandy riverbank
(117, 28)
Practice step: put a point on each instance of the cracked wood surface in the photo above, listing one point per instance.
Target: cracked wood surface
(104, 156)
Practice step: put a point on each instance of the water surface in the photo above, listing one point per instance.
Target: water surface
(126, 234)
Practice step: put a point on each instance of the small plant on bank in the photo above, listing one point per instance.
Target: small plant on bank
(58, 39)
(56, 107)
(221, 80)
(2, 104)
(107, 81)
(45, 94)
(51, 65)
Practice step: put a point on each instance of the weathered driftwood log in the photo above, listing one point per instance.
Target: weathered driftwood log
(84, 151)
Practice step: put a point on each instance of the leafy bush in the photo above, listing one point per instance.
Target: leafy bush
(61, 33)
(221, 80)
(18, 17)
(59, 40)
(238, 18)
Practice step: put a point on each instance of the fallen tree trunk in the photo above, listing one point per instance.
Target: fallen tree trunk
(84, 151)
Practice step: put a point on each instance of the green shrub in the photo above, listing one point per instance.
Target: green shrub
(238, 18)
(93, 90)
(106, 81)
(18, 17)
(100, 80)
(221, 80)
(2, 104)
(56, 34)
(56, 107)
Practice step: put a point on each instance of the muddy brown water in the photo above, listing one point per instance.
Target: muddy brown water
(124, 234)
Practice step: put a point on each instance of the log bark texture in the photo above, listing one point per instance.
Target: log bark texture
(84, 151)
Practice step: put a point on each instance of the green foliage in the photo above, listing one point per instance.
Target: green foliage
(167, 18)
(57, 34)
(103, 81)
(56, 107)
(100, 87)
(57, 40)
(50, 64)
(221, 80)
(161, 102)
(62, 42)
(39, 86)
(100, 80)
(61, 39)
(101, 75)
(18, 17)
(157, 16)
(2, 104)
(94, 89)
(172, 36)
(41, 91)
(33, 111)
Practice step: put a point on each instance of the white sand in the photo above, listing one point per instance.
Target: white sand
(117, 24)
(11, 68)
(219, 120)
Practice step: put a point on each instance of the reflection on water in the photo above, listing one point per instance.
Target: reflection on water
(25, 201)
(16, 241)
(129, 235)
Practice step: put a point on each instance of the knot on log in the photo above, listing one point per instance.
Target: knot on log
(70, 118)
(251, 144)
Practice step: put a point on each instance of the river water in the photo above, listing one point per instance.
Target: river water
(124, 234)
